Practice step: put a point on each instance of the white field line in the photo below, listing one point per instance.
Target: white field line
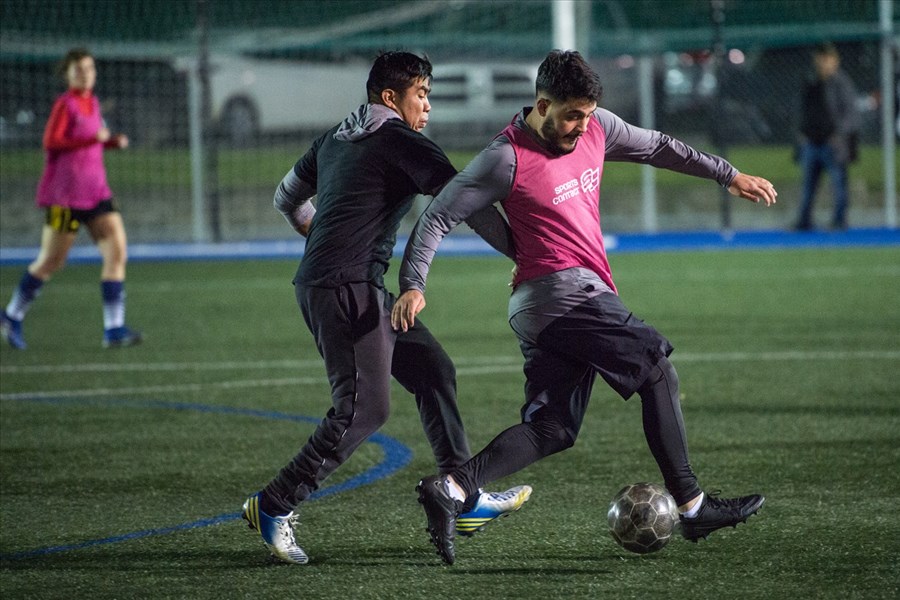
(472, 365)
(486, 365)
(214, 366)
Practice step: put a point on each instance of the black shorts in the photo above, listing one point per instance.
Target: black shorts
(68, 220)
(600, 336)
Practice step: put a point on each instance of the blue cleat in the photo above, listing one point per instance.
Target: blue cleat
(11, 330)
(120, 337)
(491, 506)
(277, 532)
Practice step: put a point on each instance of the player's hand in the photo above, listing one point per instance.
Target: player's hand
(121, 140)
(408, 305)
(754, 189)
(103, 135)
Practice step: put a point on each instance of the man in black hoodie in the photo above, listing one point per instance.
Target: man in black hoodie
(365, 173)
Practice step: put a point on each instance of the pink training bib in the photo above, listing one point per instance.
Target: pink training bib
(554, 206)
(76, 178)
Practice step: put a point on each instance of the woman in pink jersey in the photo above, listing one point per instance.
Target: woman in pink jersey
(73, 190)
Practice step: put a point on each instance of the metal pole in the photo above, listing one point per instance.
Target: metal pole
(583, 22)
(888, 118)
(648, 121)
(198, 206)
(564, 25)
(717, 16)
(211, 154)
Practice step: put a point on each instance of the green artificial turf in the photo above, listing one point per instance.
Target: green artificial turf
(788, 363)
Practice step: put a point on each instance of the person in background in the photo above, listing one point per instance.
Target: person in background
(73, 191)
(829, 125)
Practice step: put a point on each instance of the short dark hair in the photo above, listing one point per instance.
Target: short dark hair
(825, 49)
(397, 71)
(72, 56)
(565, 75)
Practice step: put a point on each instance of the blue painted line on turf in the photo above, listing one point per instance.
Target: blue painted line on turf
(396, 456)
(742, 240)
(471, 245)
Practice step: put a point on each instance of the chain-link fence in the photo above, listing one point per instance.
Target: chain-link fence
(219, 97)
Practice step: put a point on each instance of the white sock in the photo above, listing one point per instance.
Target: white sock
(17, 307)
(28, 289)
(113, 314)
(455, 491)
(690, 514)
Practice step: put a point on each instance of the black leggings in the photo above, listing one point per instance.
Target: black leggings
(664, 430)
(546, 430)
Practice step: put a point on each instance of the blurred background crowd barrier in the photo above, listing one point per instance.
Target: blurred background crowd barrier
(220, 97)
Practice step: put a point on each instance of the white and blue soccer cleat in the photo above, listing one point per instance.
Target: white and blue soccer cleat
(277, 532)
(491, 506)
(11, 330)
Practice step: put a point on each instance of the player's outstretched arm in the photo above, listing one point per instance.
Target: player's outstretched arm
(752, 188)
(408, 305)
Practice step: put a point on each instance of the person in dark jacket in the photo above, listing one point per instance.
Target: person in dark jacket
(829, 122)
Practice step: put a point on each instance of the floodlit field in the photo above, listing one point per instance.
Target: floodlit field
(123, 471)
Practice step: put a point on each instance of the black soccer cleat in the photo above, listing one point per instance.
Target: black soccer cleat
(716, 513)
(441, 511)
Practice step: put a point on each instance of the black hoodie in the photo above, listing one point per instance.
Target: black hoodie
(366, 172)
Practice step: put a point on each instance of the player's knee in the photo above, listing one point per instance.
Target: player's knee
(668, 371)
(439, 366)
(434, 370)
(562, 441)
(567, 439)
(115, 257)
(47, 265)
(372, 417)
(363, 418)
(664, 371)
(553, 437)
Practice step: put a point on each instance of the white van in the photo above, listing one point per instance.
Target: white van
(472, 102)
(255, 96)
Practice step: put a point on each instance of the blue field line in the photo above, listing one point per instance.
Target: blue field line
(472, 245)
(396, 456)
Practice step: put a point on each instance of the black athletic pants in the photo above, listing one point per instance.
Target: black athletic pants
(351, 326)
(599, 336)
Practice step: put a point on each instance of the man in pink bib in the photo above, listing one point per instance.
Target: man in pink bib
(545, 170)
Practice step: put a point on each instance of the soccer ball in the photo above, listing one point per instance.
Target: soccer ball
(642, 517)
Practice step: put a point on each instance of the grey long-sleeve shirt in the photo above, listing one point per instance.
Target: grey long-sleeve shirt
(489, 178)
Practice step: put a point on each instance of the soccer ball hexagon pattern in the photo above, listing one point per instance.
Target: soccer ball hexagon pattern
(642, 517)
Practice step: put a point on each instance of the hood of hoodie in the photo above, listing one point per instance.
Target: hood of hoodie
(363, 122)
